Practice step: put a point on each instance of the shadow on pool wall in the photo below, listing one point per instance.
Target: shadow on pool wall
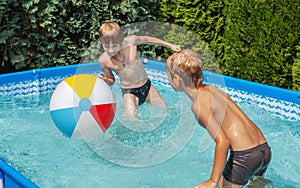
(281, 102)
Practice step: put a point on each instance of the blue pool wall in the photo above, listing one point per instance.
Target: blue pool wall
(238, 84)
(10, 178)
(282, 102)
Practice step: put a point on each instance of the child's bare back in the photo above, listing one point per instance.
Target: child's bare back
(231, 129)
(241, 132)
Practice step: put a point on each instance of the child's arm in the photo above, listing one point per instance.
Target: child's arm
(107, 76)
(220, 155)
(209, 122)
(153, 40)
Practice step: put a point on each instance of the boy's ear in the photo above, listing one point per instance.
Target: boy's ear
(176, 80)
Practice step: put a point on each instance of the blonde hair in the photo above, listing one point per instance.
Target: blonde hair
(187, 64)
(111, 32)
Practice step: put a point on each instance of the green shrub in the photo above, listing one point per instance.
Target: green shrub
(296, 70)
(259, 40)
(40, 33)
(256, 40)
(202, 23)
(253, 40)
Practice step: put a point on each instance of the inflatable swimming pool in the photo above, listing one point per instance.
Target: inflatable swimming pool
(280, 102)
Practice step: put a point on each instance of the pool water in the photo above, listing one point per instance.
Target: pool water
(31, 143)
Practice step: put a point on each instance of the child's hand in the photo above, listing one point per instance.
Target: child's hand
(207, 184)
(102, 76)
(110, 81)
(176, 48)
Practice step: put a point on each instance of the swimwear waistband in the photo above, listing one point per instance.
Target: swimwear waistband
(264, 145)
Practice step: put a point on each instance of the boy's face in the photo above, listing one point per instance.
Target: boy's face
(112, 48)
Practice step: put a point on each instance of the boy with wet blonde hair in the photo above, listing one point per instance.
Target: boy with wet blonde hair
(121, 57)
(226, 123)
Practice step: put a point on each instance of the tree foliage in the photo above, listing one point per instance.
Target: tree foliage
(203, 24)
(260, 40)
(296, 69)
(46, 33)
(256, 40)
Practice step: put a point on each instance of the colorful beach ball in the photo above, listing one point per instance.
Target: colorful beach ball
(82, 106)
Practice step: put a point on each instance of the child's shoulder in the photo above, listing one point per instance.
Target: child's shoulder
(131, 39)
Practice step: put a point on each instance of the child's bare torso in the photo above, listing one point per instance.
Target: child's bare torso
(128, 66)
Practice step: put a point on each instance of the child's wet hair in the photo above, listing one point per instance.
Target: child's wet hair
(187, 64)
(111, 32)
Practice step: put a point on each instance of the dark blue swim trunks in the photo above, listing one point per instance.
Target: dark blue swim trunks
(241, 165)
(141, 92)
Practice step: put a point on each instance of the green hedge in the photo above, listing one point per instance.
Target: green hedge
(40, 33)
(296, 69)
(254, 40)
(202, 23)
(260, 40)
